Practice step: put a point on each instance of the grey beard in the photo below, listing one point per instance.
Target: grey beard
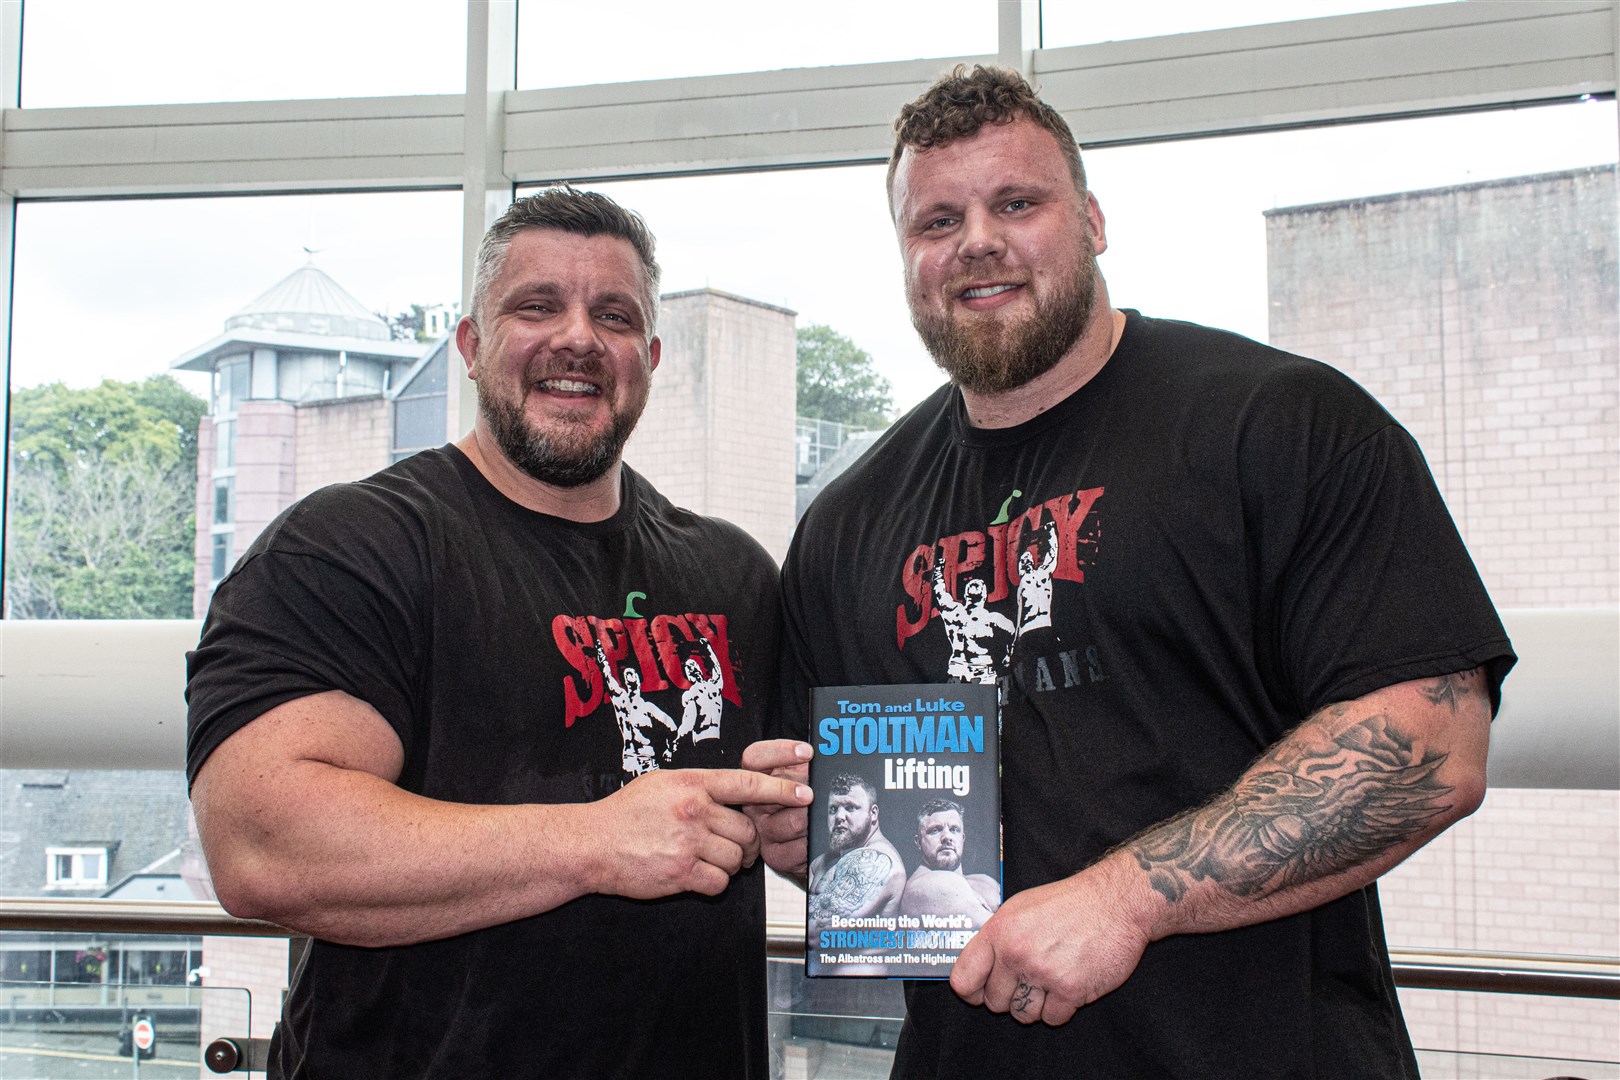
(541, 457)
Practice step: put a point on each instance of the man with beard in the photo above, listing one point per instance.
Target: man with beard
(400, 742)
(1273, 669)
(938, 886)
(860, 874)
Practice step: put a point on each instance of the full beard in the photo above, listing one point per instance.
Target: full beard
(946, 860)
(992, 357)
(560, 457)
(842, 840)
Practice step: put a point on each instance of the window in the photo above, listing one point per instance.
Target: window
(1081, 24)
(654, 40)
(89, 52)
(76, 868)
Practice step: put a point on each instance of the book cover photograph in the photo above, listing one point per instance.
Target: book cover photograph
(905, 830)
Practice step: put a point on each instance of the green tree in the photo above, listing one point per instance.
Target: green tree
(102, 501)
(838, 382)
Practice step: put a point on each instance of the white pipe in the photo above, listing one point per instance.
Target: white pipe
(94, 694)
(109, 695)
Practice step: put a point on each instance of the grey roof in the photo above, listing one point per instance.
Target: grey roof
(849, 451)
(139, 815)
(236, 342)
(308, 301)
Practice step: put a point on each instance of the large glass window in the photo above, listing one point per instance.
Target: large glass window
(653, 40)
(157, 328)
(1069, 22)
(99, 52)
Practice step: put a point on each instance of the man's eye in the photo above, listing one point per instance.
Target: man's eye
(1018, 204)
(941, 223)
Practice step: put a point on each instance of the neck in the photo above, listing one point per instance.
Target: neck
(1079, 366)
(595, 501)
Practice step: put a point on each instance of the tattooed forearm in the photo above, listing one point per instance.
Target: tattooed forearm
(1310, 808)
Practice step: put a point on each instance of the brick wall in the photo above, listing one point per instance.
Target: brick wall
(1486, 317)
(266, 441)
(1529, 872)
(340, 441)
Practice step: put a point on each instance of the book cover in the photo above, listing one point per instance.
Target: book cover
(905, 831)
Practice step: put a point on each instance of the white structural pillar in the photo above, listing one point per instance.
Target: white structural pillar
(486, 188)
(10, 78)
(1018, 35)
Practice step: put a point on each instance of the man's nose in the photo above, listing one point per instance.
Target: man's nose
(575, 331)
(981, 236)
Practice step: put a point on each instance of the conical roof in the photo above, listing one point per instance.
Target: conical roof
(308, 301)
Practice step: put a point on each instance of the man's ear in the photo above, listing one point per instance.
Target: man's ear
(467, 343)
(655, 351)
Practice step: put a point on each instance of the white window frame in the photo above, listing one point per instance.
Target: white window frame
(77, 856)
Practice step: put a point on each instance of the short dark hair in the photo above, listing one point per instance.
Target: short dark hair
(844, 783)
(939, 806)
(567, 209)
(964, 101)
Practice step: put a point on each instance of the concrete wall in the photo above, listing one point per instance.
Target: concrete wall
(717, 436)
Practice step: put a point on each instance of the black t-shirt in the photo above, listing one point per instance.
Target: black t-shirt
(1241, 537)
(470, 624)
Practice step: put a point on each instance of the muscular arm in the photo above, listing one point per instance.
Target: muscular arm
(866, 881)
(302, 825)
(614, 688)
(942, 598)
(1349, 793)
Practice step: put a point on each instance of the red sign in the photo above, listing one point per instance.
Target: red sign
(144, 1034)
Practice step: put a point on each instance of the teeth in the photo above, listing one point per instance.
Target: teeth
(986, 290)
(571, 386)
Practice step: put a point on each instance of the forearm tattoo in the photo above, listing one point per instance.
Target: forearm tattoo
(851, 884)
(1312, 807)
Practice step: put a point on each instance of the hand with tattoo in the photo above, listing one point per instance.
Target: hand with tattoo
(1346, 795)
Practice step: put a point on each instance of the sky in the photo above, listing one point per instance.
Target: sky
(120, 288)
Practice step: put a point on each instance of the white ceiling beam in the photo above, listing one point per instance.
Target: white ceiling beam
(1379, 64)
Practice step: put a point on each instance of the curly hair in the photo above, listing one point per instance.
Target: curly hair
(964, 101)
(844, 783)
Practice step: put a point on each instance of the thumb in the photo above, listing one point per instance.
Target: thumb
(972, 969)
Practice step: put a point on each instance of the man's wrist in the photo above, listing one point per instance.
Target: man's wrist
(1122, 879)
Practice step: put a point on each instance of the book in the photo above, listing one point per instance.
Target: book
(905, 830)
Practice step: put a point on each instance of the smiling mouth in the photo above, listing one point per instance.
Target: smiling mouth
(979, 292)
(569, 386)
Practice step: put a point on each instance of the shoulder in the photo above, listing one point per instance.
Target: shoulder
(713, 538)
(1269, 409)
(1212, 365)
(881, 844)
(413, 490)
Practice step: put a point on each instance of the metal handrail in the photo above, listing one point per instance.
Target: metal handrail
(1432, 969)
